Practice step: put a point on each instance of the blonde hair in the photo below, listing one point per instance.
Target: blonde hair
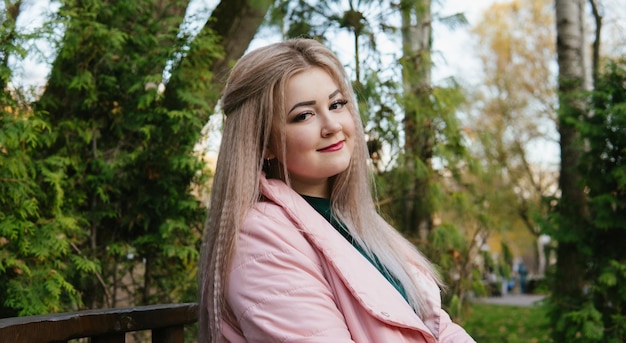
(253, 100)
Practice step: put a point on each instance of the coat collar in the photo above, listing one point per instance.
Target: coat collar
(363, 280)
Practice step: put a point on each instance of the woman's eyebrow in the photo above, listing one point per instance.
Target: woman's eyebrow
(333, 94)
(312, 102)
(304, 103)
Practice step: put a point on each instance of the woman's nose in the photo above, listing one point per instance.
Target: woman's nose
(331, 125)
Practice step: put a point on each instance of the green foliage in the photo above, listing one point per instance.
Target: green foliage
(36, 230)
(582, 325)
(455, 307)
(597, 315)
(507, 261)
(451, 246)
(132, 151)
(306, 18)
(605, 163)
(604, 168)
(97, 175)
(488, 323)
(36, 227)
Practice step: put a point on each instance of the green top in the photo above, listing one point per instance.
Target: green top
(322, 206)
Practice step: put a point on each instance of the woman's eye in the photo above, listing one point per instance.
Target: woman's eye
(302, 116)
(338, 104)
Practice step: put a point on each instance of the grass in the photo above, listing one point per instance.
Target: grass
(488, 323)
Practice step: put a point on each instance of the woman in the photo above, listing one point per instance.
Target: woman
(294, 249)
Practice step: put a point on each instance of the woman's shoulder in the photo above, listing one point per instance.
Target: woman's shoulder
(268, 223)
(265, 212)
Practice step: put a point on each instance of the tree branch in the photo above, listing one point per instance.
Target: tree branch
(596, 43)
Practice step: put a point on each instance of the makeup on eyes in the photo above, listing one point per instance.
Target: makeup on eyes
(313, 102)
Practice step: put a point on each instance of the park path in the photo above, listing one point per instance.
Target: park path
(513, 299)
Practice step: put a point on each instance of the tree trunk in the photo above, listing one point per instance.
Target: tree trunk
(418, 130)
(595, 61)
(568, 283)
(235, 22)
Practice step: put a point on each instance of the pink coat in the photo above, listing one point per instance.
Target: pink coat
(294, 278)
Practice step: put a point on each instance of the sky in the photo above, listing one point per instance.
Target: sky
(456, 45)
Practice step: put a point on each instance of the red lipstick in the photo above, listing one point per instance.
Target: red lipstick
(333, 147)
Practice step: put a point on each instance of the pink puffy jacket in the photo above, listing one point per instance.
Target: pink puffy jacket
(294, 278)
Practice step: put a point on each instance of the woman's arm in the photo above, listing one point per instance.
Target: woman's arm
(450, 332)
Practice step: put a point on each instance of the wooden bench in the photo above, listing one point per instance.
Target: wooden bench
(103, 326)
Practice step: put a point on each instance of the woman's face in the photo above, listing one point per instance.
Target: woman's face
(319, 132)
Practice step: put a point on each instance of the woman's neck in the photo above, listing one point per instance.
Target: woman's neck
(319, 189)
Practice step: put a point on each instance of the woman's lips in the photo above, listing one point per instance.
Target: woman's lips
(333, 147)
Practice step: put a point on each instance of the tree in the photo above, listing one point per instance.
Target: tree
(514, 108)
(8, 38)
(419, 116)
(603, 171)
(572, 212)
(119, 146)
(34, 230)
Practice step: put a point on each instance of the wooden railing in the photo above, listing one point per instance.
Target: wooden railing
(103, 326)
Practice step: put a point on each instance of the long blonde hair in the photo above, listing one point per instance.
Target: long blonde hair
(253, 101)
